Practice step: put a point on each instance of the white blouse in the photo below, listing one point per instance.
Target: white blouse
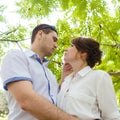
(89, 95)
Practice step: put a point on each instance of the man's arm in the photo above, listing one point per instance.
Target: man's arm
(35, 104)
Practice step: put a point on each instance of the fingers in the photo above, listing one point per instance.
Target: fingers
(67, 67)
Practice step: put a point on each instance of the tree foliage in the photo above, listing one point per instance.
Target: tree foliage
(93, 18)
(3, 104)
(98, 19)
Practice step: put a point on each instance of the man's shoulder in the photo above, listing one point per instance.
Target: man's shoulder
(12, 54)
(14, 51)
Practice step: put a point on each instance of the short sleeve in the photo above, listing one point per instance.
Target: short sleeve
(14, 68)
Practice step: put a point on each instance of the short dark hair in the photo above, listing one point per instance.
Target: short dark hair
(91, 47)
(45, 28)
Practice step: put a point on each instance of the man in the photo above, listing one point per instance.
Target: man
(30, 86)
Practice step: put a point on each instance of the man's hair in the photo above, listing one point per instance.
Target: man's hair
(45, 28)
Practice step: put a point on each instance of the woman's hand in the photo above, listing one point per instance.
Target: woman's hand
(66, 70)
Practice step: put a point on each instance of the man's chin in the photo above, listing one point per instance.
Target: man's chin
(50, 54)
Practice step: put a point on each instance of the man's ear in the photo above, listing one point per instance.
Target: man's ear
(39, 34)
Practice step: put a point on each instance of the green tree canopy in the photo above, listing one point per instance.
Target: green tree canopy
(92, 18)
(98, 19)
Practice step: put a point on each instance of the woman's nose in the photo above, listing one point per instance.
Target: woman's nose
(66, 49)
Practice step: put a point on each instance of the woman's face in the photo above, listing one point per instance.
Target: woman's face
(71, 54)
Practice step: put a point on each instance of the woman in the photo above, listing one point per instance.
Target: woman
(87, 93)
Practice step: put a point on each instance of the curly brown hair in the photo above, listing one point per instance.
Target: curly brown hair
(91, 47)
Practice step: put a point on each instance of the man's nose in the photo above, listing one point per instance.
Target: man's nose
(56, 44)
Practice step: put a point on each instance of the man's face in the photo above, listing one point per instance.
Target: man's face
(48, 43)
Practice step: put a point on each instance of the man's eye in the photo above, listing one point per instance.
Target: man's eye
(55, 39)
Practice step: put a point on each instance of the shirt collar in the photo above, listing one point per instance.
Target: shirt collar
(33, 55)
(84, 71)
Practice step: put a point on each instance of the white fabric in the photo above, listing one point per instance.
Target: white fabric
(90, 94)
(24, 66)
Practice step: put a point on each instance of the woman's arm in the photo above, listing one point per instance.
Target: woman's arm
(66, 70)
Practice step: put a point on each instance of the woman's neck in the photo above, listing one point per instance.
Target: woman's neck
(78, 67)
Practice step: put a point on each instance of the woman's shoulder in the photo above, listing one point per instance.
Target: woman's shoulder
(101, 72)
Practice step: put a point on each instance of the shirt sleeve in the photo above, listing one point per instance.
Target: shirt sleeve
(107, 99)
(14, 68)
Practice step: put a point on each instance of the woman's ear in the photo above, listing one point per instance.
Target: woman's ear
(84, 55)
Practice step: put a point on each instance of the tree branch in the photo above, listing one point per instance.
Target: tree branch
(60, 63)
(8, 32)
(8, 40)
(115, 45)
(114, 73)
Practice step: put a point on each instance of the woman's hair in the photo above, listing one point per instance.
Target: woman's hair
(45, 28)
(91, 47)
